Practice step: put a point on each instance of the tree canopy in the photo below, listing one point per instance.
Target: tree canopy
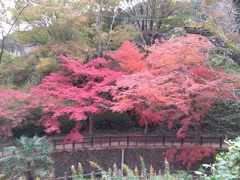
(137, 57)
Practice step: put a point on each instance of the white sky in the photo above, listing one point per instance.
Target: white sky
(5, 27)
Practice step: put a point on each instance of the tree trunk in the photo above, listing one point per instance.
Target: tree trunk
(146, 128)
(2, 49)
(153, 14)
(29, 175)
(142, 13)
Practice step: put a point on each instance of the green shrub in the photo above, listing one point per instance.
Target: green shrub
(28, 130)
(31, 130)
(227, 166)
(66, 125)
(26, 71)
(224, 118)
(110, 121)
(218, 61)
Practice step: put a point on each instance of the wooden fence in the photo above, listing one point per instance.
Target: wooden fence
(128, 141)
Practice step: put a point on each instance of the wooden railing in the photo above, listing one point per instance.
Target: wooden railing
(128, 141)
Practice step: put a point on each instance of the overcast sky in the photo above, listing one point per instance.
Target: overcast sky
(5, 27)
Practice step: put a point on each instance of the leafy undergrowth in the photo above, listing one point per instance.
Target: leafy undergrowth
(227, 165)
(128, 173)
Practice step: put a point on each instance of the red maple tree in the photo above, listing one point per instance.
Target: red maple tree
(175, 85)
(13, 109)
(77, 91)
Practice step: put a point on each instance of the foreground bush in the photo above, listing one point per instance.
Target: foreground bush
(227, 166)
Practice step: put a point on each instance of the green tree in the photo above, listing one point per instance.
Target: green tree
(30, 159)
(51, 21)
(77, 29)
(156, 17)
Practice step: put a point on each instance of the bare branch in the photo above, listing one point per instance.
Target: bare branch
(9, 31)
(110, 34)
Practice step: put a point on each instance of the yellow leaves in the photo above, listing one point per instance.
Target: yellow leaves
(209, 25)
(3, 177)
(209, 2)
(113, 2)
(46, 65)
(81, 4)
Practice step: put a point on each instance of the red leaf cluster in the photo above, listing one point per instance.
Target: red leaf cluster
(175, 85)
(129, 58)
(77, 91)
(189, 155)
(13, 109)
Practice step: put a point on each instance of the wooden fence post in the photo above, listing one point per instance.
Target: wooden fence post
(54, 145)
(221, 142)
(182, 141)
(73, 145)
(163, 140)
(2, 152)
(127, 140)
(110, 141)
(201, 140)
(92, 141)
(145, 140)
